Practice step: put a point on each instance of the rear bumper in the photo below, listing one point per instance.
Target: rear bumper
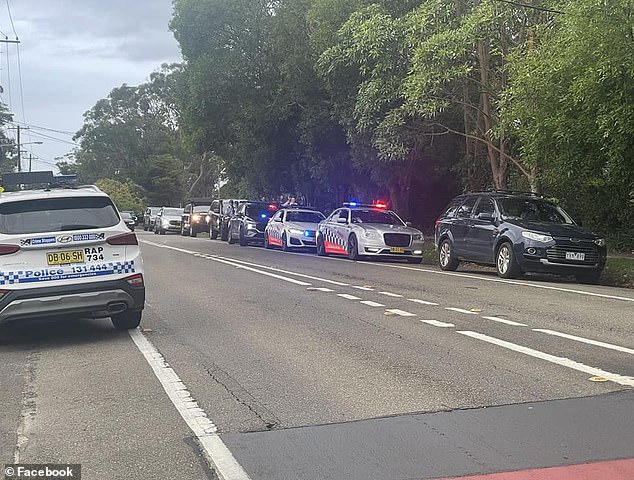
(95, 299)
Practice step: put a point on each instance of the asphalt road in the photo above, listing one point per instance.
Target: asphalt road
(271, 365)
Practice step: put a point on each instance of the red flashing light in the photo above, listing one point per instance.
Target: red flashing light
(272, 206)
(8, 249)
(380, 204)
(125, 239)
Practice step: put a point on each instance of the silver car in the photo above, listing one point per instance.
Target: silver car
(369, 231)
(168, 220)
(292, 228)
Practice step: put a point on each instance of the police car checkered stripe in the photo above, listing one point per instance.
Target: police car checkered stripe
(331, 237)
(66, 272)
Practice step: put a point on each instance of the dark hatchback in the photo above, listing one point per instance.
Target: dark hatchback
(248, 224)
(517, 233)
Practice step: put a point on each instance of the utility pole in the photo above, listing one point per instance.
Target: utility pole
(18, 128)
(30, 160)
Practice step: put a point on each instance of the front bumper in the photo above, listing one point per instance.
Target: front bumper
(551, 258)
(414, 250)
(94, 299)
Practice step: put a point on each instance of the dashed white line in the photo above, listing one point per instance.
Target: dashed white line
(347, 296)
(618, 348)
(402, 313)
(390, 294)
(321, 289)
(372, 304)
(436, 323)
(565, 362)
(460, 310)
(196, 419)
(422, 302)
(504, 320)
(367, 289)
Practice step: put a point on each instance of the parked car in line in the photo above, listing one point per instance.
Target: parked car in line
(369, 231)
(248, 224)
(219, 215)
(67, 252)
(292, 227)
(129, 220)
(517, 233)
(149, 218)
(195, 215)
(168, 219)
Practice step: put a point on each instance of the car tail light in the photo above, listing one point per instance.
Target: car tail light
(2, 292)
(8, 249)
(135, 280)
(125, 239)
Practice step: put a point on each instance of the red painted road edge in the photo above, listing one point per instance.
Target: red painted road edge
(610, 470)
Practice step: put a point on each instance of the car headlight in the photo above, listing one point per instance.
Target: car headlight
(370, 234)
(296, 231)
(251, 225)
(196, 217)
(417, 236)
(538, 237)
(600, 242)
(165, 221)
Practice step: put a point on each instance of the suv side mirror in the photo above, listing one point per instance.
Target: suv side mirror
(278, 219)
(488, 217)
(342, 220)
(409, 224)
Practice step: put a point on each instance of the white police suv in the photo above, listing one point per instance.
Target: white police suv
(67, 252)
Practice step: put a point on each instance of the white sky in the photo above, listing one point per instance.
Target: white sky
(72, 54)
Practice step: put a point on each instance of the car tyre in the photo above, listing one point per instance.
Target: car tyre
(353, 248)
(241, 238)
(192, 232)
(506, 263)
(229, 238)
(321, 248)
(446, 257)
(126, 320)
(285, 246)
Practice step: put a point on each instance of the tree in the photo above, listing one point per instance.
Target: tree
(125, 195)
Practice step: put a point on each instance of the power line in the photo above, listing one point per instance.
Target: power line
(523, 5)
(36, 127)
(55, 139)
(11, 18)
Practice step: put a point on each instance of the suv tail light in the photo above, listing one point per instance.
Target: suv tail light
(135, 280)
(8, 249)
(125, 239)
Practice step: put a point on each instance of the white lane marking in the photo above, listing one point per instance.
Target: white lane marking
(436, 323)
(504, 320)
(232, 263)
(372, 304)
(402, 313)
(422, 302)
(564, 362)
(322, 289)
(390, 294)
(348, 296)
(367, 289)
(586, 340)
(196, 419)
(460, 310)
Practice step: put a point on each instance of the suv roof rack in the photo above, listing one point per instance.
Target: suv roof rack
(513, 192)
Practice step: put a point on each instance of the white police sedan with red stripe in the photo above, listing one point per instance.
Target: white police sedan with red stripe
(292, 227)
(359, 231)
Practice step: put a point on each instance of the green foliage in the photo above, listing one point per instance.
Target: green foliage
(125, 195)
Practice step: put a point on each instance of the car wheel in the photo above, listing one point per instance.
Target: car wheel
(506, 263)
(321, 248)
(126, 320)
(242, 239)
(224, 233)
(213, 234)
(353, 247)
(446, 257)
(162, 231)
(415, 260)
(285, 246)
(591, 278)
(192, 231)
(229, 237)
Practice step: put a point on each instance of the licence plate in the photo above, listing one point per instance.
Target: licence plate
(575, 256)
(69, 256)
(397, 250)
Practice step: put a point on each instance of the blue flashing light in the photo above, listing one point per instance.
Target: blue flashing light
(353, 204)
(263, 215)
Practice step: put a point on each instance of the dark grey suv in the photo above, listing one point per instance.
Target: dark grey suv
(517, 232)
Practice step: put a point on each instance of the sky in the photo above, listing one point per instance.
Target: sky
(71, 54)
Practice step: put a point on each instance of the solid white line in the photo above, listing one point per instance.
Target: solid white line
(367, 289)
(227, 467)
(436, 323)
(586, 340)
(504, 320)
(460, 310)
(402, 313)
(564, 362)
(348, 296)
(422, 302)
(372, 304)
(389, 294)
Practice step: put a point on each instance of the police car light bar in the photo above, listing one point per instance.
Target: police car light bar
(377, 204)
(27, 178)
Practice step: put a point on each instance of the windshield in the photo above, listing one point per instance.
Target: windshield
(375, 216)
(126, 216)
(259, 211)
(201, 209)
(308, 217)
(533, 210)
(172, 211)
(57, 214)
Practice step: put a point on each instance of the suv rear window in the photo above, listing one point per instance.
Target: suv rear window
(57, 214)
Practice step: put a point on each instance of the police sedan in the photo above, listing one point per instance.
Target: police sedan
(292, 228)
(368, 231)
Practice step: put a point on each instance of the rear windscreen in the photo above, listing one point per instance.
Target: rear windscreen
(56, 215)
